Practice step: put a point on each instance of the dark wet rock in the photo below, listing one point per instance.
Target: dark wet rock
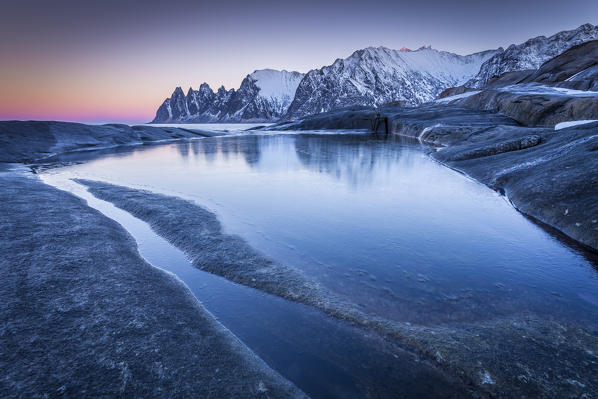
(406, 121)
(500, 147)
(83, 315)
(534, 109)
(32, 140)
(354, 118)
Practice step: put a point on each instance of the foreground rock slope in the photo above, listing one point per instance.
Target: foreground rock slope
(84, 315)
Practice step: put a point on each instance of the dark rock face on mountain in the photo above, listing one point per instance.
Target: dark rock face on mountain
(263, 96)
(576, 68)
(375, 76)
(531, 54)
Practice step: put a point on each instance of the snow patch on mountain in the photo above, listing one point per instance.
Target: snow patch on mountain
(278, 87)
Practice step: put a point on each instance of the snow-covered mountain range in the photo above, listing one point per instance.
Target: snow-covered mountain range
(378, 75)
(263, 96)
(531, 54)
(368, 77)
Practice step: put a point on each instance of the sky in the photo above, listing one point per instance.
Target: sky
(116, 61)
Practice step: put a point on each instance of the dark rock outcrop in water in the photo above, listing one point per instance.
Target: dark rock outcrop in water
(83, 315)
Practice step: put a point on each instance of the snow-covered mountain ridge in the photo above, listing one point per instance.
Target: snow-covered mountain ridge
(369, 77)
(378, 75)
(263, 96)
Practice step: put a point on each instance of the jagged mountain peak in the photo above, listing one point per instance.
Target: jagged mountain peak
(264, 95)
(204, 86)
(178, 92)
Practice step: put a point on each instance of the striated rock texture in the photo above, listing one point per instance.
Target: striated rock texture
(83, 315)
(263, 95)
(378, 75)
(531, 54)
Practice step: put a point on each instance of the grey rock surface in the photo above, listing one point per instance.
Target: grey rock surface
(32, 140)
(83, 315)
(534, 107)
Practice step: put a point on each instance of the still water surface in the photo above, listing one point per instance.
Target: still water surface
(376, 221)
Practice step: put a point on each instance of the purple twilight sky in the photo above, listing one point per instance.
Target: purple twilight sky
(118, 60)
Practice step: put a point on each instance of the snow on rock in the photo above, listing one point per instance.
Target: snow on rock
(377, 75)
(564, 125)
(531, 54)
(549, 90)
(456, 97)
